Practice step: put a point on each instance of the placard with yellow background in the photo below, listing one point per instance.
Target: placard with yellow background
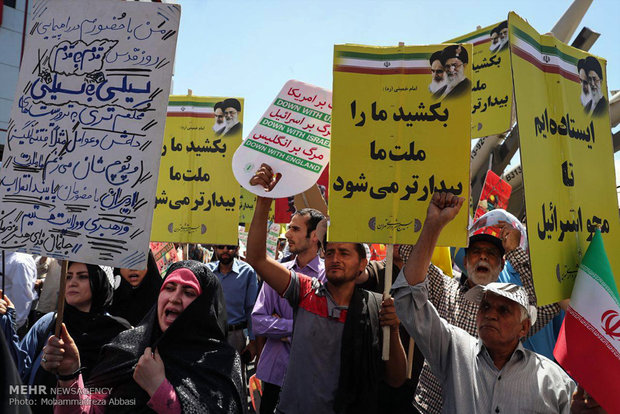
(566, 156)
(195, 201)
(492, 81)
(395, 143)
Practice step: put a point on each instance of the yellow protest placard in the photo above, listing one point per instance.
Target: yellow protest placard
(247, 201)
(566, 156)
(491, 95)
(195, 202)
(396, 140)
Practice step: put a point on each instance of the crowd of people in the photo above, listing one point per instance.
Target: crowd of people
(313, 322)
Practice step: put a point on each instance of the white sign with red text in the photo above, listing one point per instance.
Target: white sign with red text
(293, 137)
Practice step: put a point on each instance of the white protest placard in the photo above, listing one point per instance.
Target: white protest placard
(273, 231)
(84, 139)
(293, 137)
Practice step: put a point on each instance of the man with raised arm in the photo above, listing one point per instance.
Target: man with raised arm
(491, 374)
(484, 260)
(272, 316)
(335, 363)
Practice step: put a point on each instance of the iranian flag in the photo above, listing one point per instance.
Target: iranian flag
(588, 347)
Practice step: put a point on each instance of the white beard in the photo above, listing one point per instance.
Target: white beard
(217, 127)
(454, 80)
(502, 43)
(586, 98)
(596, 96)
(435, 85)
(495, 46)
(477, 279)
(230, 124)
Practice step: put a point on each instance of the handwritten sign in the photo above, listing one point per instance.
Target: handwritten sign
(491, 92)
(86, 128)
(566, 156)
(293, 136)
(195, 202)
(397, 142)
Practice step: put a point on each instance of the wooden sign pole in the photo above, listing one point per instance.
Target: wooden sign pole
(389, 261)
(410, 357)
(64, 264)
(3, 272)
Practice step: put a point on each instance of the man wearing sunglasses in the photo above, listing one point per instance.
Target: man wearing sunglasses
(240, 288)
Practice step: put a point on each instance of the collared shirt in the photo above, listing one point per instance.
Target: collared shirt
(21, 275)
(447, 295)
(274, 357)
(240, 288)
(471, 382)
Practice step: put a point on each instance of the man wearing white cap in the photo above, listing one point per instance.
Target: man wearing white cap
(493, 373)
(489, 242)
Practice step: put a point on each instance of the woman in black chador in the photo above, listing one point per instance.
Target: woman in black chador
(177, 359)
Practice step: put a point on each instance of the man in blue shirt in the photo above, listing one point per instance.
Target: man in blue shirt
(240, 288)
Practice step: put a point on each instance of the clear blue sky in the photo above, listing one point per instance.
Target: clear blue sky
(251, 48)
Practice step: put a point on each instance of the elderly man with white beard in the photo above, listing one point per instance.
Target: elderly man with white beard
(454, 59)
(219, 125)
(494, 35)
(594, 72)
(586, 94)
(499, 37)
(232, 107)
(488, 249)
(502, 35)
(438, 76)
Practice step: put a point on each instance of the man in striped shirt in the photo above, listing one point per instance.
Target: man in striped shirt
(485, 257)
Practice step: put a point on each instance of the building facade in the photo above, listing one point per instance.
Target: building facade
(13, 20)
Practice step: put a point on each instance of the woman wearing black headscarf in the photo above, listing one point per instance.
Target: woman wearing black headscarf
(176, 360)
(137, 291)
(88, 295)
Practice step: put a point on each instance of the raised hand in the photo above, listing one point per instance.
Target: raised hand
(511, 237)
(443, 208)
(265, 177)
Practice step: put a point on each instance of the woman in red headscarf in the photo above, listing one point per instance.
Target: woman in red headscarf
(177, 360)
